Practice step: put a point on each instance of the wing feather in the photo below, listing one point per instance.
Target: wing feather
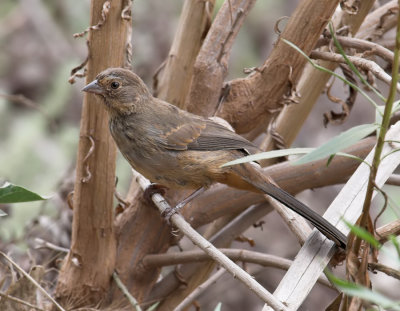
(195, 133)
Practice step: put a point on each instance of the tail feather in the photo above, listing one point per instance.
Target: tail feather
(259, 181)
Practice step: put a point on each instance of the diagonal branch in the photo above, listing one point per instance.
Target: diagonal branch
(211, 250)
(364, 64)
(250, 100)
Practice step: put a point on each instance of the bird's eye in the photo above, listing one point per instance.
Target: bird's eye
(114, 85)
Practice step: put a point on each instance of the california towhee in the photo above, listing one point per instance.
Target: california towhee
(175, 148)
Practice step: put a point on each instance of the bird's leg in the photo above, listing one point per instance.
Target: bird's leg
(153, 188)
(169, 212)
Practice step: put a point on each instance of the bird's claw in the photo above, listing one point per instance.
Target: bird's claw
(153, 189)
(168, 212)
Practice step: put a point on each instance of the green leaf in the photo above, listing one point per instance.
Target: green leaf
(379, 114)
(352, 66)
(153, 307)
(338, 143)
(395, 243)
(355, 290)
(10, 193)
(218, 307)
(269, 155)
(363, 234)
(396, 106)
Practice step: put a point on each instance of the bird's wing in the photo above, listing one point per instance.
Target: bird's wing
(216, 137)
(188, 132)
(180, 136)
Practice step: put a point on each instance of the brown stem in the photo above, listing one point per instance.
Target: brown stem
(86, 272)
(250, 100)
(211, 64)
(173, 81)
(311, 84)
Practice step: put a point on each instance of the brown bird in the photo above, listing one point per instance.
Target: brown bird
(177, 149)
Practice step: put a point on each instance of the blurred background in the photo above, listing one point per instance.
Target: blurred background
(40, 115)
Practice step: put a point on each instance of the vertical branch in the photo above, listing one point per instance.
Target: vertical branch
(85, 275)
(140, 228)
(173, 81)
(211, 65)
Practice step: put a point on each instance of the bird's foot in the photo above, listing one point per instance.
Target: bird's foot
(153, 189)
(168, 212)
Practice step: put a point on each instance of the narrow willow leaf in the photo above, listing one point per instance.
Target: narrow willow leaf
(396, 245)
(355, 290)
(364, 234)
(153, 307)
(269, 155)
(10, 193)
(218, 307)
(396, 106)
(340, 142)
(352, 66)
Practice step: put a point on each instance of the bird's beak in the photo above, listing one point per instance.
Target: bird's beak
(93, 87)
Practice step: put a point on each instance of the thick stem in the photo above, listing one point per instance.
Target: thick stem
(85, 275)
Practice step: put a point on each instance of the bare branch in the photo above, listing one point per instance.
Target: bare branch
(311, 85)
(211, 250)
(190, 298)
(128, 295)
(362, 63)
(20, 301)
(385, 269)
(362, 45)
(172, 82)
(392, 228)
(33, 281)
(211, 64)
(250, 100)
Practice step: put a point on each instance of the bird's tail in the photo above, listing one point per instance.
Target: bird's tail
(255, 177)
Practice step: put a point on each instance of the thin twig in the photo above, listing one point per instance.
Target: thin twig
(385, 269)
(199, 290)
(34, 282)
(179, 222)
(20, 301)
(45, 244)
(363, 45)
(104, 14)
(27, 102)
(392, 228)
(362, 63)
(126, 292)
(157, 260)
(168, 259)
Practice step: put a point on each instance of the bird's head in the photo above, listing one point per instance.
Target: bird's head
(122, 90)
